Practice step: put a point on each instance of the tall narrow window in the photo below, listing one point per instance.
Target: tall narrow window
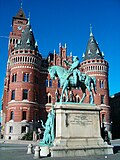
(23, 129)
(24, 115)
(25, 94)
(101, 84)
(13, 95)
(50, 83)
(102, 99)
(58, 83)
(46, 82)
(14, 78)
(11, 115)
(49, 99)
(26, 77)
(11, 129)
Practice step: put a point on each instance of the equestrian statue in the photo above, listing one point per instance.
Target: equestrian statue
(73, 78)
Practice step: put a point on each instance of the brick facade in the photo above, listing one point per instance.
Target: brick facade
(28, 90)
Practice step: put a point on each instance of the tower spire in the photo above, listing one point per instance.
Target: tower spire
(28, 19)
(29, 15)
(21, 4)
(91, 34)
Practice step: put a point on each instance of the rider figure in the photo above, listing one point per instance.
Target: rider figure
(73, 69)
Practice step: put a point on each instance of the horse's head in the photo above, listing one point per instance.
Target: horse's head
(52, 72)
(57, 71)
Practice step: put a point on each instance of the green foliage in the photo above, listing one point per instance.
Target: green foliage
(28, 136)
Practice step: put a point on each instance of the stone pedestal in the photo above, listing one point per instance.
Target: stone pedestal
(78, 131)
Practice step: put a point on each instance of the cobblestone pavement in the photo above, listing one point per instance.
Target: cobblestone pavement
(18, 151)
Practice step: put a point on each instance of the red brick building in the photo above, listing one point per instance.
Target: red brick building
(28, 90)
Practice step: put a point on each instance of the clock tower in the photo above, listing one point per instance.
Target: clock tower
(18, 26)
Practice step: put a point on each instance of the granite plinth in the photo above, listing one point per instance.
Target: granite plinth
(78, 131)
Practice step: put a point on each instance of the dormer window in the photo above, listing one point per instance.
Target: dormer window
(19, 42)
(28, 42)
(89, 52)
(97, 51)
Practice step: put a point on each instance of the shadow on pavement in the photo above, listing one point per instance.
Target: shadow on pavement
(116, 149)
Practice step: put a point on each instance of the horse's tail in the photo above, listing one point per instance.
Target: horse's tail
(94, 84)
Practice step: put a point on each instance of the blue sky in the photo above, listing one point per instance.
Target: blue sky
(67, 21)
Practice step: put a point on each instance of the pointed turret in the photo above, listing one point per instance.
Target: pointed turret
(27, 40)
(92, 50)
(20, 14)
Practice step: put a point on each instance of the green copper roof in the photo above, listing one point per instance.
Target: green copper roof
(27, 40)
(92, 49)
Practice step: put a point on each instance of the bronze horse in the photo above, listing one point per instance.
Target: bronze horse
(87, 83)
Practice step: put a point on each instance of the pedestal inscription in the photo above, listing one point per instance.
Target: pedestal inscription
(82, 120)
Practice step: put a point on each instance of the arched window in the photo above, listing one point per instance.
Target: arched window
(11, 115)
(13, 95)
(14, 78)
(25, 94)
(24, 113)
(26, 77)
(101, 84)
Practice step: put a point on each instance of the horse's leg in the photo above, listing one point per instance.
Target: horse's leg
(83, 97)
(63, 90)
(61, 97)
(91, 94)
(66, 92)
(84, 94)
